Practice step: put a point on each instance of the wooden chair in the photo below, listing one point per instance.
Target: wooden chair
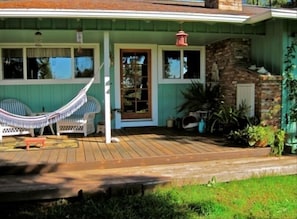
(16, 107)
(81, 121)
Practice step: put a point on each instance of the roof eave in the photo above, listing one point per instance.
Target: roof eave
(273, 13)
(283, 13)
(119, 14)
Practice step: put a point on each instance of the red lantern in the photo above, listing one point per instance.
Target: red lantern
(181, 38)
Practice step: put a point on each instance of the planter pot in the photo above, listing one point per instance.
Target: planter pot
(287, 149)
(261, 143)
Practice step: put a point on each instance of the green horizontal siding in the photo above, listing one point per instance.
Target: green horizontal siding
(129, 25)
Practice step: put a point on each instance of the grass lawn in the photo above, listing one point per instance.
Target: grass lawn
(272, 197)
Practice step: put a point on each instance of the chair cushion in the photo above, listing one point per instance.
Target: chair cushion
(73, 119)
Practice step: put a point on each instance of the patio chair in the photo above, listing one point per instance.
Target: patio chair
(16, 107)
(82, 120)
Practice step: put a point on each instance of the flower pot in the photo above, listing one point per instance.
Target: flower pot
(261, 143)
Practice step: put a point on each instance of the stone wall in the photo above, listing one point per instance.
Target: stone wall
(233, 5)
(232, 57)
(270, 99)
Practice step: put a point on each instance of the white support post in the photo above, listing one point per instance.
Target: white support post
(107, 88)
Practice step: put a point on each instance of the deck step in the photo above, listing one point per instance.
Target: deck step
(38, 168)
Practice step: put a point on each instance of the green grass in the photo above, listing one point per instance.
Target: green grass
(272, 197)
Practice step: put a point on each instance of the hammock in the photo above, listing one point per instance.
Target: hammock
(48, 118)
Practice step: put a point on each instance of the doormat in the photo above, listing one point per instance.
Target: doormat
(17, 143)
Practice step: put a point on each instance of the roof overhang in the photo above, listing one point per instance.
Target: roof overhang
(273, 13)
(119, 14)
(149, 15)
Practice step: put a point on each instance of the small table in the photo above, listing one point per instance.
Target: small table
(42, 128)
(37, 140)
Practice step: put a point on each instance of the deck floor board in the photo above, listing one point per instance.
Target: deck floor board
(136, 147)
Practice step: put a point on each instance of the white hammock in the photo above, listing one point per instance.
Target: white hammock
(48, 118)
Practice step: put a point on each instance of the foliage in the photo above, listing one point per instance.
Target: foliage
(260, 136)
(279, 142)
(228, 118)
(199, 97)
(265, 197)
(225, 118)
(272, 3)
(290, 80)
(239, 137)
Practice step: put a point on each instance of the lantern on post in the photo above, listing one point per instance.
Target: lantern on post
(79, 36)
(38, 38)
(181, 38)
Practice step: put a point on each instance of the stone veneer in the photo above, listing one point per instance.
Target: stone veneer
(233, 59)
(233, 5)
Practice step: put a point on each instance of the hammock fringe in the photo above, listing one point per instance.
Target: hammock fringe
(39, 121)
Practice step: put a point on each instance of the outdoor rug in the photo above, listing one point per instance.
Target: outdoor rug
(17, 143)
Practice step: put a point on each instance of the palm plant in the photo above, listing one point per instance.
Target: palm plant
(200, 97)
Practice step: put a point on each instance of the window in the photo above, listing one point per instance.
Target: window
(84, 63)
(181, 65)
(47, 62)
(12, 60)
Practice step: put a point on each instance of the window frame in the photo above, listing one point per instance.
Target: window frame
(163, 48)
(73, 80)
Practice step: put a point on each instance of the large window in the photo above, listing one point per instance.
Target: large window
(47, 62)
(181, 65)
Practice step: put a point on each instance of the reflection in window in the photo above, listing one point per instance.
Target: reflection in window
(49, 63)
(172, 64)
(84, 63)
(12, 61)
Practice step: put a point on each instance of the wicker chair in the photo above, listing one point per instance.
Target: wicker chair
(16, 107)
(81, 121)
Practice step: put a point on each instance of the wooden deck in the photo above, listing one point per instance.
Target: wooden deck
(136, 147)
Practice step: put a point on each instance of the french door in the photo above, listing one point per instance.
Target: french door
(135, 84)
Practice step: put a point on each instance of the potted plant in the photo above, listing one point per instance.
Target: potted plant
(228, 118)
(260, 136)
(225, 119)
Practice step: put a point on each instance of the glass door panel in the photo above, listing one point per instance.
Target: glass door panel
(135, 84)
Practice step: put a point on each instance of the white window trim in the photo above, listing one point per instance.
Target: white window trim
(25, 81)
(162, 80)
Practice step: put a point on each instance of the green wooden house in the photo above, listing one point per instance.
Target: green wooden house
(140, 60)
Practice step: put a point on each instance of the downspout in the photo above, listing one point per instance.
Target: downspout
(107, 88)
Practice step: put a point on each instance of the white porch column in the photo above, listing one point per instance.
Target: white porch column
(107, 88)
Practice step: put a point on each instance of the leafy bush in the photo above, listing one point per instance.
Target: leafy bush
(260, 136)
(228, 118)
